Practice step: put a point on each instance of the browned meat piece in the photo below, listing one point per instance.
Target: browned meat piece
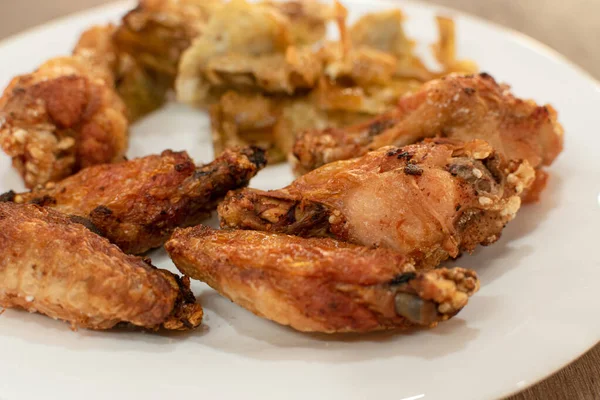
(66, 115)
(457, 107)
(136, 204)
(54, 266)
(429, 201)
(320, 285)
(61, 118)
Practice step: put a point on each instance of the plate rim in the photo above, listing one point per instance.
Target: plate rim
(528, 41)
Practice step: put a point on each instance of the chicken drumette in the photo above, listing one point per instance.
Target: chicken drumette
(320, 285)
(457, 107)
(429, 201)
(136, 204)
(52, 265)
(66, 115)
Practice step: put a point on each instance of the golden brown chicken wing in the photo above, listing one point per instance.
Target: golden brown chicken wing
(136, 204)
(458, 107)
(239, 120)
(66, 115)
(54, 266)
(320, 285)
(429, 201)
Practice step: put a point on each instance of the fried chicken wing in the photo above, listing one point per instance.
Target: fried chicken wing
(54, 266)
(458, 107)
(136, 204)
(320, 285)
(429, 201)
(66, 115)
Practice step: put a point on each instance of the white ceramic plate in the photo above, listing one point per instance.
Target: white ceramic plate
(536, 311)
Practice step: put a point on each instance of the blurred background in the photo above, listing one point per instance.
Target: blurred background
(572, 27)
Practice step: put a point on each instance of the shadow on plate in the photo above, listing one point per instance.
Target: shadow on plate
(42, 330)
(506, 254)
(243, 333)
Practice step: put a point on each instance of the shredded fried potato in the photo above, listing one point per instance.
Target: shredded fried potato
(266, 71)
(445, 49)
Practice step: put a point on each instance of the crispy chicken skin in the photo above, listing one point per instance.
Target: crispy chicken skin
(54, 266)
(232, 50)
(136, 204)
(320, 285)
(430, 201)
(458, 107)
(66, 115)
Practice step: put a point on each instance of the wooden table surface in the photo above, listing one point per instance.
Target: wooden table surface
(570, 26)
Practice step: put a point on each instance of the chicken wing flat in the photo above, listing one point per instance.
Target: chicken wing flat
(66, 115)
(320, 285)
(54, 266)
(136, 204)
(458, 107)
(429, 201)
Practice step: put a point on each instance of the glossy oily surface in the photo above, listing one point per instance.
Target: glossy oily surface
(535, 310)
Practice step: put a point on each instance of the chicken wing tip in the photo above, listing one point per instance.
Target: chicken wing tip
(187, 313)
